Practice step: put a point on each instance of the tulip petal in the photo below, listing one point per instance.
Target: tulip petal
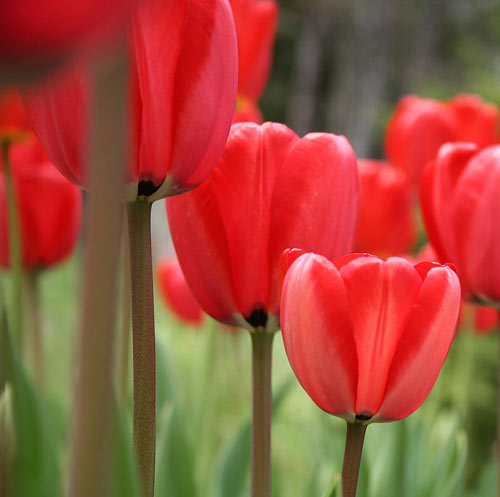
(243, 183)
(381, 295)
(317, 332)
(316, 201)
(424, 344)
(476, 224)
(205, 92)
(200, 242)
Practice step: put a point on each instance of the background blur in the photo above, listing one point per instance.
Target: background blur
(342, 65)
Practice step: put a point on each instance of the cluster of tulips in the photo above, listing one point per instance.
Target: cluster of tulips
(272, 231)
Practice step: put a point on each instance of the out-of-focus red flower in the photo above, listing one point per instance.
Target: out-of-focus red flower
(271, 190)
(366, 337)
(176, 293)
(48, 29)
(256, 22)
(419, 126)
(50, 208)
(387, 224)
(461, 211)
(183, 79)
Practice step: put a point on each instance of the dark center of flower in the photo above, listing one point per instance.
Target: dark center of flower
(364, 416)
(146, 188)
(258, 318)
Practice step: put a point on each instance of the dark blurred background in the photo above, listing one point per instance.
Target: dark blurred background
(342, 65)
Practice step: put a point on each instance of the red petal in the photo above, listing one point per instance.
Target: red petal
(317, 332)
(424, 344)
(201, 245)
(381, 295)
(316, 201)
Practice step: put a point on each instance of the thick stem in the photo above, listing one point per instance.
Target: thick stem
(262, 348)
(143, 339)
(126, 317)
(90, 470)
(15, 249)
(352, 458)
(33, 299)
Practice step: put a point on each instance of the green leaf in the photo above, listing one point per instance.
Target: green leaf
(34, 469)
(234, 460)
(175, 467)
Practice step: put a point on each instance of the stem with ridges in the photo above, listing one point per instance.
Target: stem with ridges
(15, 249)
(352, 458)
(143, 340)
(262, 348)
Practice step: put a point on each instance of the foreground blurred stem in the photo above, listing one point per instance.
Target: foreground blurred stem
(90, 470)
(143, 340)
(33, 301)
(126, 315)
(352, 458)
(262, 349)
(15, 253)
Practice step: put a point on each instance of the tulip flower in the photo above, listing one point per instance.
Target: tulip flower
(13, 121)
(176, 293)
(367, 338)
(459, 200)
(271, 190)
(387, 224)
(183, 80)
(50, 209)
(256, 22)
(419, 127)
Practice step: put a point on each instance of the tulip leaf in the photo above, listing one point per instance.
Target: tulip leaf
(234, 461)
(175, 467)
(34, 469)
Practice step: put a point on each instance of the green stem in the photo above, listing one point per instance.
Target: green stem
(126, 316)
(15, 249)
(262, 348)
(352, 458)
(90, 472)
(143, 338)
(33, 299)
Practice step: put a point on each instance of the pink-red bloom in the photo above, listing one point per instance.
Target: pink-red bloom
(387, 224)
(460, 205)
(176, 293)
(366, 337)
(183, 89)
(50, 209)
(271, 190)
(419, 126)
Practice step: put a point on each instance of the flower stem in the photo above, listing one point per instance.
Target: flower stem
(123, 361)
(90, 470)
(143, 339)
(262, 348)
(15, 249)
(33, 299)
(352, 458)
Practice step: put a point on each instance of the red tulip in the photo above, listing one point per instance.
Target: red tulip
(460, 207)
(420, 126)
(366, 337)
(31, 29)
(50, 209)
(256, 22)
(271, 190)
(176, 293)
(387, 224)
(12, 116)
(182, 99)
